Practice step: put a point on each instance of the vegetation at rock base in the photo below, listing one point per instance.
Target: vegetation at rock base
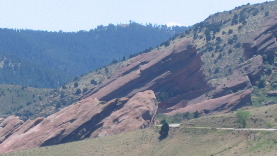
(183, 140)
(177, 118)
(242, 117)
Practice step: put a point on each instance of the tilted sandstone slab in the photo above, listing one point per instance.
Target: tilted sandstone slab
(242, 78)
(171, 69)
(87, 118)
(8, 126)
(264, 41)
(137, 113)
(222, 104)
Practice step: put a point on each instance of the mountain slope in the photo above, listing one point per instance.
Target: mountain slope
(50, 59)
(182, 77)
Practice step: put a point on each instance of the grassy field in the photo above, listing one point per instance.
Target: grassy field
(185, 140)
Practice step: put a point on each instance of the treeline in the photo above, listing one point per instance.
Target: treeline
(50, 59)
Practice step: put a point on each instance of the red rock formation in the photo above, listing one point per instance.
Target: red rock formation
(87, 118)
(243, 77)
(171, 69)
(264, 41)
(226, 96)
(9, 126)
(137, 113)
(222, 104)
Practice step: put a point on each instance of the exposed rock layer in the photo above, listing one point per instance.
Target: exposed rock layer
(264, 41)
(171, 69)
(87, 118)
(230, 95)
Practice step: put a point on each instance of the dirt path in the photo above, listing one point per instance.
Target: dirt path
(248, 129)
(220, 128)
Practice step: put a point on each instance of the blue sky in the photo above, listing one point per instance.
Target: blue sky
(74, 15)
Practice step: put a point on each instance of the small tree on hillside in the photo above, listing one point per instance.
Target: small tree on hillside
(242, 117)
(164, 131)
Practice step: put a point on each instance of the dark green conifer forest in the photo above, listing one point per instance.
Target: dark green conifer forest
(50, 59)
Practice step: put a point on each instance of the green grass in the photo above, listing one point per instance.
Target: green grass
(177, 118)
(185, 140)
(13, 98)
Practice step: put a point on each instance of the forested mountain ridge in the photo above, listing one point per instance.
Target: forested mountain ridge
(218, 40)
(50, 59)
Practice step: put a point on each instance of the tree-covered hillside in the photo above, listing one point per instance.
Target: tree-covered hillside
(50, 59)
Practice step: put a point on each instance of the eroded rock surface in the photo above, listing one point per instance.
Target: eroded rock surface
(172, 69)
(87, 118)
(8, 126)
(222, 104)
(234, 93)
(264, 41)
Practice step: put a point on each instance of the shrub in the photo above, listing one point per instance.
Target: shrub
(78, 91)
(235, 19)
(219, 56)
(75, 84)
(240, 27)
(262, 83)
(237, 45)
(230, 31)
(255, 12)
(230, 41)
(85, 90)
(164, 131)
(93, 82)
(196, 114)
(114, 61)
(208, 35)
(217, 70)
(218, 39)
(242, 117)
(274, 85)
(165, 43)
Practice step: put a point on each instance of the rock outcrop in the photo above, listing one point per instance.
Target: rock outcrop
(264, 41)
(86, 118)
(272, 93)
(222, 104)
(227, 96)
(243, 77)
(175, 68)
(230, 95)
(8, 126)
